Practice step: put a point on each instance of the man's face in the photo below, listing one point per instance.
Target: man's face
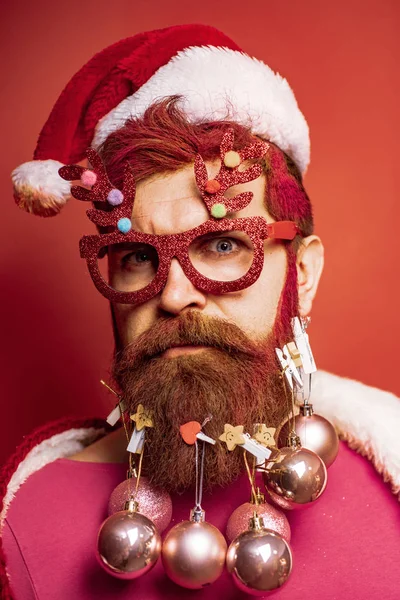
(187, 354)
(167, 204)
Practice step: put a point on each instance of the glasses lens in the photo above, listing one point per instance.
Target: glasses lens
(128, 267)
(222, 255)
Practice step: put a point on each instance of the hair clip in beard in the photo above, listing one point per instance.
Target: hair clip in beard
(118, 411)
(310, 431)
(154, 503)
(182, 560)
(192, 431)
(297, 477)
(265, 435)
(129, 542)
(256, 525)
(234, 436)
(307, 429)
(252, 527)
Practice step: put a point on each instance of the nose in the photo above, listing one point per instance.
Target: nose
(179, 292)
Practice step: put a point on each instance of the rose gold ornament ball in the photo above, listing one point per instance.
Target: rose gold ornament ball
(315, 432)
(128, 545)
(193, 554)
(153, 502)
(296, 479)
(260, 561)
(273, 519)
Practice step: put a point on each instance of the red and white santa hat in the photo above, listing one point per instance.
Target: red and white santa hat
(199, 63)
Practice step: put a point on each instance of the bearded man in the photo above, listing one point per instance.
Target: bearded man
(205, 250)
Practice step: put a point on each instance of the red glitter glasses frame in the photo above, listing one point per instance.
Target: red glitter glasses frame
(177, 246)
(113, 211)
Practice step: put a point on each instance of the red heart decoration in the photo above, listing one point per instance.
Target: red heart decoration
(189, 432)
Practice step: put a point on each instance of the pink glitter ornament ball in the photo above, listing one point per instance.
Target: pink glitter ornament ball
(273, 518)
(154, 503)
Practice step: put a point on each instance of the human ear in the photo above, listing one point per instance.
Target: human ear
(310, 262)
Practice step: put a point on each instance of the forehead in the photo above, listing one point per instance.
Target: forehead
(171, 203)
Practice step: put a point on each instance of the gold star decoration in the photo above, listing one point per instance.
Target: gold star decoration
(265, 435)
(142, 418)
(232, 436)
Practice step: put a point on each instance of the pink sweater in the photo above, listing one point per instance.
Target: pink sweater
(345, 547)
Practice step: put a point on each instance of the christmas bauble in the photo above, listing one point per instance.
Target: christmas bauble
(260, 561)
(296, 479)
(315, 432)
(153, 502)
(193, 554)
(128, 545)
(273, 518)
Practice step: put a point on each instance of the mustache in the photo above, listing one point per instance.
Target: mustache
(192, 329)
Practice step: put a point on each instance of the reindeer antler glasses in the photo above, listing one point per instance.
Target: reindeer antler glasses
(221, 255)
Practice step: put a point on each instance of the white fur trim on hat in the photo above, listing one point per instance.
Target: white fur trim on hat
(218, 83)
(39, 189)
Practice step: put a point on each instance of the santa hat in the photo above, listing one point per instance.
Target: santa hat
(214, 78)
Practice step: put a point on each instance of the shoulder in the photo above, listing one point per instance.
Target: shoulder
(44, 445)
(61, 438)
(367, 418)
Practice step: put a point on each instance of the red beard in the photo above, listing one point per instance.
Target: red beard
(236, 380)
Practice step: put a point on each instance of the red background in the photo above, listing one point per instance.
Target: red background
(342, 60)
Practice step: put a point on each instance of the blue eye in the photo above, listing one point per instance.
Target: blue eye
(223, 246)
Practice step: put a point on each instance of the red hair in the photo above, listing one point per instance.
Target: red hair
(163, 140)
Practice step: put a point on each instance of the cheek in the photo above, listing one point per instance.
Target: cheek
(131, 322)
(273, 276)
(255, 308)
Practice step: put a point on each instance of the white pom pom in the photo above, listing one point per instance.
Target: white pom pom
(39, 189)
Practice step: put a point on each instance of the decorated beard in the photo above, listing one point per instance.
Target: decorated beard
(234, 380)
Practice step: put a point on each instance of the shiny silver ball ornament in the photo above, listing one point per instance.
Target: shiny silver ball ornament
(259, 560)
(315, 432)
(296, 478)
(193, 553)
(128, 545)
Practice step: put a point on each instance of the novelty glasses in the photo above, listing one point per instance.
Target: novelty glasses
(219, 256)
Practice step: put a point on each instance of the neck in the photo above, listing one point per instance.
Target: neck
(108, 449)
